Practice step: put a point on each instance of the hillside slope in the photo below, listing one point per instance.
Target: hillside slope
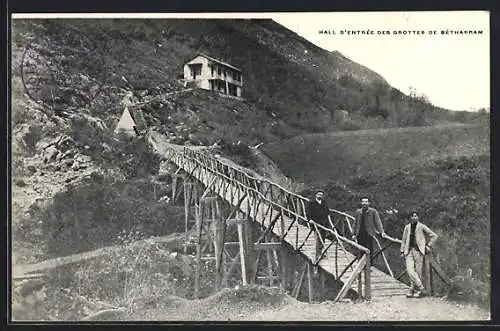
(318, 158)
(442, 172)
(90, 65)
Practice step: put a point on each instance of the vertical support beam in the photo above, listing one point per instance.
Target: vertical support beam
(199, 224)
(187, 202)
(243, 256)
(337, 259)
(322, 284)
(282, 253)
(219, 247)
(427, 275)
(360, 285)
(174, 187)
(310, 282)
(269, 268)
(431, 291)
(368, 277)
(284, 275)
(251, 254)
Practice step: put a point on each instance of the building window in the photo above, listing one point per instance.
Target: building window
(232, 90)
(196, 70)
(219, 70)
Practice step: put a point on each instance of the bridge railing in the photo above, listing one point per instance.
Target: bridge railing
(294, 207)
(289, 204)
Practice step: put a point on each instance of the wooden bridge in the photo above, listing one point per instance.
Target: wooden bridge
(281, 214)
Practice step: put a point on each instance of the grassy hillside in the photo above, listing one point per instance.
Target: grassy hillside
(318, 158)
(89, 65)
(442, 172)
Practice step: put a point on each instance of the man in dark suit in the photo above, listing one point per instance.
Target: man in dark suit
(367, 224)
(318, 212)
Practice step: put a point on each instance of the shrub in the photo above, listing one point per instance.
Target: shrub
(32, 137)
(19, 182)
(92, 214)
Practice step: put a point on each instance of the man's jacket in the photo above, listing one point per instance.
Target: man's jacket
(373, 223)
(421, 231)
(318, 212)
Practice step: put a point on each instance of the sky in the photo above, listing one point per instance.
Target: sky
(452, 70)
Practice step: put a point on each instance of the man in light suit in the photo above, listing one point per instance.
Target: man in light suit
(414, 246)
(367, 224)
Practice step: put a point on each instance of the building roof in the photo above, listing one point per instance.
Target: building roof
(218, 61)
(131, 118)
(138, 117)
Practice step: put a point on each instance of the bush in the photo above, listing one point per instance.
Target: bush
(93, 214)
(19, 182)
(32, 137)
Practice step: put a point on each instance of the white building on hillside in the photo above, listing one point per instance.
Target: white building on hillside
(212, 74)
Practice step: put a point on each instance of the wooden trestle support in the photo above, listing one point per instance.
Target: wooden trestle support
(257, 255)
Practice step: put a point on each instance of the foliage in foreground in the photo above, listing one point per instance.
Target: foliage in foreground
(92, 214)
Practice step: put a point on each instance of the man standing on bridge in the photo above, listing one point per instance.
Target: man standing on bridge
(318, 212)
(414, 246)
(367, 222)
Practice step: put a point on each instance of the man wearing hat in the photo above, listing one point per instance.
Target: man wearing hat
(318, 212)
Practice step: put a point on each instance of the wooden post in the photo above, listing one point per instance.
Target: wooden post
(269, 268)
(242, 254)
(174, 187)
(249, 249)
(282, 253)
(284, 275)
(187, 201)
(310, 282)
(219, 247)
(336, 260)
(322, 284)
(298, 286)
(368, 277)
(427, 275)
(360, 285)
(199, 224)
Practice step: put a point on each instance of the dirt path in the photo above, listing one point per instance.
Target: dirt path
(20, 270)
(227, 307)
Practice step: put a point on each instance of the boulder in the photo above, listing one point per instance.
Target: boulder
(82, 158)
(50, 154)
(65, 143)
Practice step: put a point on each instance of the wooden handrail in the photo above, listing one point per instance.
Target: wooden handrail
(271, 185)
(289, 203)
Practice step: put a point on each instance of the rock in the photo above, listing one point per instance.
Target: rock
(82, 158)
(51, 153)
(31, 169)
(69, 179)
(75, 166)
(106, 147)
(65, 143)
